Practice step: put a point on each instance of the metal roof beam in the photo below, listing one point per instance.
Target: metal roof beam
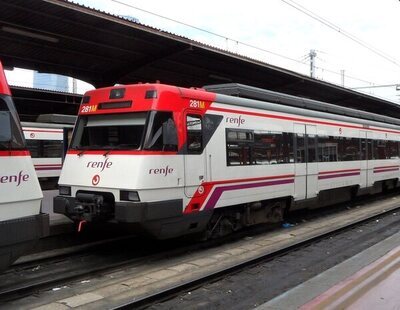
(118, 73)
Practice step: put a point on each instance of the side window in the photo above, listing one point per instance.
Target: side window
(34, 148)
(194, 133)
(349, 149)
(287, 147)
(328, 148)
(300, 148)
(45, 148)
(363, 145)
(392, 150)
(272, 148)
(161, 133)
(312, 150)
(370, 149)
(380, 149)
(247, 147)
(238, 147)
(52, 148)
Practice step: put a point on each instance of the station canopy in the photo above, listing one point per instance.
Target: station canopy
(57, 36)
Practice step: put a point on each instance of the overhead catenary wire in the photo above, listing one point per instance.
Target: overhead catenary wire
(340, 30)
(234, 40)
(209, 32)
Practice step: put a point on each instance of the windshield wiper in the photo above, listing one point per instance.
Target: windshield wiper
(81, 152)
(119, 147)
(85, 148)
(108, 151)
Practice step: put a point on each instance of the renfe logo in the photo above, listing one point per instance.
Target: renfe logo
(235, 120)
(162, 171)
(95, 180)
(21, 177)
(99, 164)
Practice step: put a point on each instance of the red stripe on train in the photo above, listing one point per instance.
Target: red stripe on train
(298, 119)
(15, 153)
(118, 152)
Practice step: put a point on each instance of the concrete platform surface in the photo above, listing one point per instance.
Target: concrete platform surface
(368, 280)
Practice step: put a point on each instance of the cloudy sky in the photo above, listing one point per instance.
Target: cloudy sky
(275, 32)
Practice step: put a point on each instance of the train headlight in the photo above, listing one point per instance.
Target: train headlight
(64, 190)
(129, 195)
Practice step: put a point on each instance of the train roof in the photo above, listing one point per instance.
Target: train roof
(250, 92)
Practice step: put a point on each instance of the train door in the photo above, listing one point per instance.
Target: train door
(195, 157)
(306, 166)
(300, 184)
(312, 161)
(366, 156)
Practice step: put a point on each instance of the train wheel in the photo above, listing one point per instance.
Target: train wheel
(276, 212)
(221, 225)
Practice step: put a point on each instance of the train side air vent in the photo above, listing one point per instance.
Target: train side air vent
(117, 93)
(151, 94)
(115, 105)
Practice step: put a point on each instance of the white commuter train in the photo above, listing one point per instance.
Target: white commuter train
(171, 161)
(21, 220)
(47, 140)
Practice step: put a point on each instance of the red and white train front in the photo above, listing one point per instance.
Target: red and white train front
(125, 160)
(21, 222)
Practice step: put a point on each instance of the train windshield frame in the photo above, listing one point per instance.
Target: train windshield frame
(17, 141)
(128, 131)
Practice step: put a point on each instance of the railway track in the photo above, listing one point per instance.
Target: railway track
(173, 290)
(66, 270)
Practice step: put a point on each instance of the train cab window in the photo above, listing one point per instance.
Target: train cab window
(162, 135)
(9, 112)
(194, 133)
(109, 132)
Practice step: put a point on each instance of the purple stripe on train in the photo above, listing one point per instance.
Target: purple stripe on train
(219, 190)
(330, 176)
(386, 170)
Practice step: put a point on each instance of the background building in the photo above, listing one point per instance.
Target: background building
(51, 81)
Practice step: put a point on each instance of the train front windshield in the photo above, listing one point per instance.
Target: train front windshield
(10, 130)
(130, 131)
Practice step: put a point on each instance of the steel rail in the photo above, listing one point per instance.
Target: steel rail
(199, 281)
(23, 288)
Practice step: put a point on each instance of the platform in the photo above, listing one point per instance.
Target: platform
(368, 280)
